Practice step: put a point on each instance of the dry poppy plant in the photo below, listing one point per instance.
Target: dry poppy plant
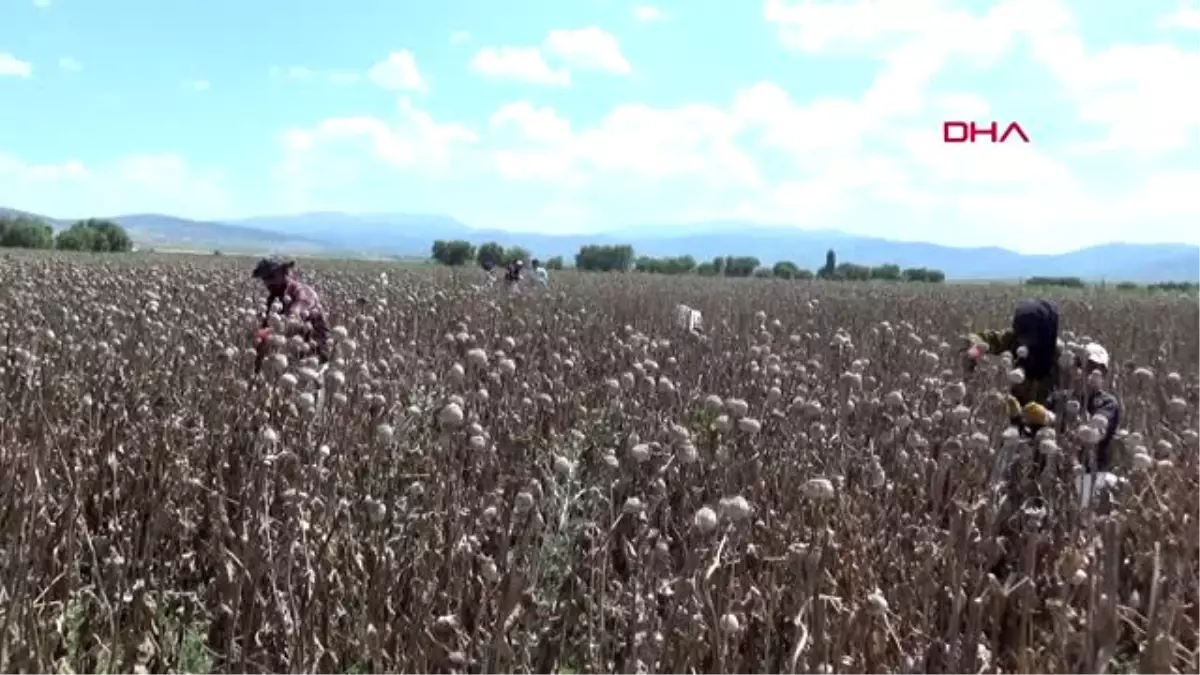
(565, 480)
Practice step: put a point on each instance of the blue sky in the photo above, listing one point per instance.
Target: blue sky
(597, 114)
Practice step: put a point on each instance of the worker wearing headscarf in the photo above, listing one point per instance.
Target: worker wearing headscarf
(298, 299)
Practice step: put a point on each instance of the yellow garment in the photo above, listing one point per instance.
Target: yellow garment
(1012, 406)
(1035, 414)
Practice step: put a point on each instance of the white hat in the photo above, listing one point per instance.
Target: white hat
(1096, 353)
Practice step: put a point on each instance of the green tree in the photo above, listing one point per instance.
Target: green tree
(923, 275)
(515, 253)
(1173, 286)
(110, 236)
(742, 266)
(1065, 282)
(99, 236)
(684, 264)
(886, 273)
(490, 252)
(785, 269)
(25, 232)
(555, 263)
(453, 253)
(76, 238)
(829, 271)
(645, 264)
(595, 258)
(848, 271)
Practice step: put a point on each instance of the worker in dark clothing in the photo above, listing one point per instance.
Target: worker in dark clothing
(1033, 342)
(489, 272)
(513, 275)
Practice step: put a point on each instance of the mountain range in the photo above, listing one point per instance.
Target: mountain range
(404, 235)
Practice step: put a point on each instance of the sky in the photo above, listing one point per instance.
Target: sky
(587, 115)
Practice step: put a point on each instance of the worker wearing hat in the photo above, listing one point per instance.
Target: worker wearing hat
(298, 299)
(1102, 405)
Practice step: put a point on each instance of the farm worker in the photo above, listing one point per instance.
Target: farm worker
(1102, 407)
(540, 273)
(513, 274)
(299, 300)
(488, 268)
(1033, 342)
(1097, 401)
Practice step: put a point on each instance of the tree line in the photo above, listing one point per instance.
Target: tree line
(1077, 282)
(458, 252)
(622, 258)
(92, 234)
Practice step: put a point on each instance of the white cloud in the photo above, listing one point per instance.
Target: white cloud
(398, 72)
(305, 74)
(545, 143)
(1186, 18)
(524, 64)
(329, 156)
(632, 141)
(415, 140)
(162, 183)
(876, 27)
(849, 162)
(11, 66)
(1132, 90)
(460, 37)
(807, 133)
(69, 64)
(1126, 97)
(648, 13)
(590, 48)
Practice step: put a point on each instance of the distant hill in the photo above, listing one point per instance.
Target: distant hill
(404, 234)
(156, 230)
(409, 234)
(153, 230)
(399, 234)
(6, 212)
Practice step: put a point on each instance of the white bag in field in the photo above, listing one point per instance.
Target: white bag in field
(1095, 484)
(689, 319)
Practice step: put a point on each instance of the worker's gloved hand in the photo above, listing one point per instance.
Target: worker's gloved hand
(261, 335)
(1036, 414)
(1012, 406)
(971, 354)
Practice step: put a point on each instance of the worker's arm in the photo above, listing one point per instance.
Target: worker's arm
(304, 299)
(1107, 406)
(995, 341)
(266, 315)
